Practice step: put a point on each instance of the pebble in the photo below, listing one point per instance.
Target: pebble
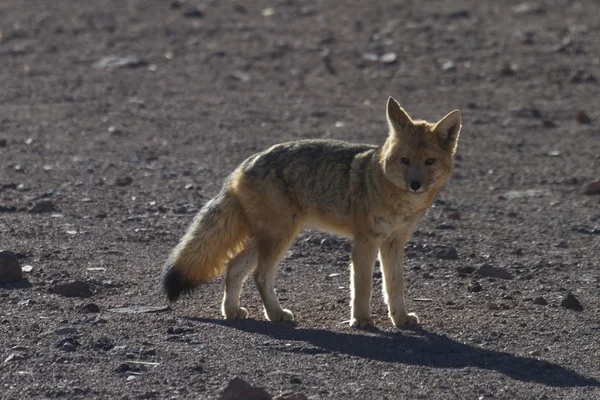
(489, 271)
(571, 302)
(466, 269)
(90, 308)
(592, 188)
(3, 142)
(583, 118)
(238, 389)
(508, 69)
(10, 270)
(474, 287)
(389, 58)
(582, 76)
(449, 66)
(123, 181)
(193, 13)
(14, 357)
(73, 289)
(42, 206)
(114, 62)
(448, 253)
(291, 396)
(540, 301)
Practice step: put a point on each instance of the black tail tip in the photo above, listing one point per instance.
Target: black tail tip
(174, 284)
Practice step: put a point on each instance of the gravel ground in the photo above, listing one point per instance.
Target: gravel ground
(104, 161)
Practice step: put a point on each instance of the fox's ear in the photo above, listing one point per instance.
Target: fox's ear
(447, 130)
(397, 118)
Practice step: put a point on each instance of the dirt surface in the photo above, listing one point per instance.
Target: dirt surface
(102, 169)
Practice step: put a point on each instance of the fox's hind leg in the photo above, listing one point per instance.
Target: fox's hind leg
(271, 249)
(237, 270)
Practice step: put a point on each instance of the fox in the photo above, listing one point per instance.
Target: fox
(373, 195)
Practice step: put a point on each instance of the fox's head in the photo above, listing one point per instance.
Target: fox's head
(417, 155)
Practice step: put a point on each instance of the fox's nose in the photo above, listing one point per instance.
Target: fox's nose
(414, 185)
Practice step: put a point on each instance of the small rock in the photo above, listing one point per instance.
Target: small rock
(27, 268)
(583, 118)
(66, 331)
(239, 389)
(42, 206)
(14, 357)
(526, 112)
(488, 271)
(466, 269)
(295, 380)
(90, 308)
(69, 344)
(571, 303)
(452, 214)
(370, 57)
(123, 181)
(193, 12)
(290, 396)
(459, 14)
(535, 353)
(528, 8)
(582, 76)
(508, 69)
(493, 307)
(114, 62)
(239, 76)
(448, 253)
(104, 344)
(73, 289)
(3, 142)
(592, 188)
(10, 270)
(139, 309)
(474, 287)
(449, 66)
(389, 58)
(540, 301)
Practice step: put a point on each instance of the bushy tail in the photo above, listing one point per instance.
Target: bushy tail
(217, 233)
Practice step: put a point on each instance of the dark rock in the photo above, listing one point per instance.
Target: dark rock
(466, 269)
(474, 287)
(448, 253)
(592, 188)
(488, 271)
(239, 389)
(571, 303)
(10, 270)
(193, 13)
(42, 206)
(295, 380)
(104, 344)
(3, 142)
(540, 301)
(123, 181)
(73, 289)
(508, 69)
(69, 343)
(582, 76)
(583, 118)
(527, 112)
(139, 309)
(290, 396)
(459, 14)
(90, 308)
(588, 230)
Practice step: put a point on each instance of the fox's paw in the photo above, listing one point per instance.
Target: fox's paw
(405, 319)
(282, 315)
(362, 322)
(238, 313)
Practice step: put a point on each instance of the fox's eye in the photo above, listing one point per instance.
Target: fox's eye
(405, 161)
(429, 161)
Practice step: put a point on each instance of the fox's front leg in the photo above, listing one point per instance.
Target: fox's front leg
(364, 253)
(391, 254)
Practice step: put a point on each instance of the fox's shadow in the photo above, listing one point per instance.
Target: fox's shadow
(414, 347)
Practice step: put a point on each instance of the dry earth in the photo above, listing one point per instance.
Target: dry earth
(121, 157)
